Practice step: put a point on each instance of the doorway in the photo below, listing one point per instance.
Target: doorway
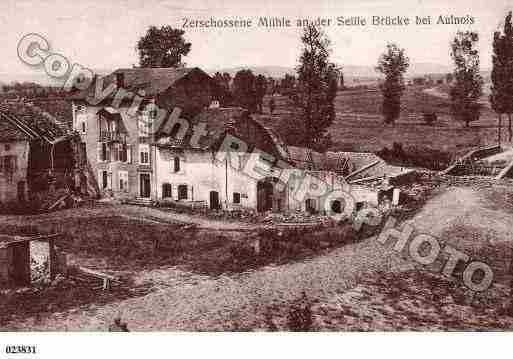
(21, 264)
(265, 192)
(145, 185)
(214, 200)
(21, 191)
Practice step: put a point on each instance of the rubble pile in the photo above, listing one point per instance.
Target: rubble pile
(295, 217)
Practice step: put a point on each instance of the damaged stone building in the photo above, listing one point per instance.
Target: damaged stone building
(118, 132)
(38, 156)
(139, 152)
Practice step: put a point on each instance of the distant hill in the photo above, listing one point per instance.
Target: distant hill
(267, 71)
(350, 71)
(38, 76)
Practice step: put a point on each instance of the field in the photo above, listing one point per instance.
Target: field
(359, 126)
(209, 282)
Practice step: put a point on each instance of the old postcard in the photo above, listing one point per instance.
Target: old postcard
(255, 166)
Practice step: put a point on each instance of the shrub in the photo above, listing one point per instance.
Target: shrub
(299, 318)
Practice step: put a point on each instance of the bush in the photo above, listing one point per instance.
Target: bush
(299, 318)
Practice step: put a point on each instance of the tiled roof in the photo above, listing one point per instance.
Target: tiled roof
(217, 120)
(275, 138)
(152, 80)
(306, 158)
(21, 120)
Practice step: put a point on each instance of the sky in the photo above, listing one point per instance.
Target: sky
(102, 34)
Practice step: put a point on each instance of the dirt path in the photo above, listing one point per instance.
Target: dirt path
(186, 301)
(465, 207)
(201, 222)
(131, 212)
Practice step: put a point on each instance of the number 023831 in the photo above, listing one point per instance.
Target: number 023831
(20, 349)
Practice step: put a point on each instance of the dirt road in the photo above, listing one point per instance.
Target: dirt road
(186, 301)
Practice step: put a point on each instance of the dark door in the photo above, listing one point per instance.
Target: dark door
(104, 179)
(21, 191)
(264, 196)
(145, 186)
(20, 264)
(214, 200)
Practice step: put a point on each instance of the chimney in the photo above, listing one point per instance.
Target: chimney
(120, 80)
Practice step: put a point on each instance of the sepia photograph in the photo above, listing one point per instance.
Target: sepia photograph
(254, 169)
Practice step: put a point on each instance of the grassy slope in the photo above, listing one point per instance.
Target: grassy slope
(370, 134)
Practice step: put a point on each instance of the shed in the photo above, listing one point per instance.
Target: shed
(15, 259)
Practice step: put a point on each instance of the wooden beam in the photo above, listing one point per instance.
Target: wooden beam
(360, 170)
(365, 179)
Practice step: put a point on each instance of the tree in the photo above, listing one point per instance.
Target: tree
(260, 91)
(315, 90)
(219, 78)
(449, 77)
(244, 90)
(162, 47)
(468, 83)
(272, 105)
(224, 95)
(342, 85)
(501, 97)
(393, 63)
(287, 84)
(227, 79)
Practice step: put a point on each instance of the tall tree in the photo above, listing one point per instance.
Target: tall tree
(393, 63)
(468, 83)
(227, 79)
(315, 91)
(501, 97)
(224, 95)
(162, 47)
(244, 90)
(260, 91)
(219, 78)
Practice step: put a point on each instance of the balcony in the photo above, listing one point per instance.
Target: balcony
(110, 136)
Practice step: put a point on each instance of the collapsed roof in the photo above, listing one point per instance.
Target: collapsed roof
(24, 121)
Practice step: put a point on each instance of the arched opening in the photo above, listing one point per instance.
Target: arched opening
(176, 164)
(270, 196)
(336, 206)
(311, 206)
